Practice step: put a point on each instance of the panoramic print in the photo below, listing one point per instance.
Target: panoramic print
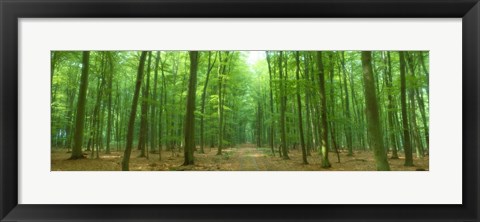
(239, 110)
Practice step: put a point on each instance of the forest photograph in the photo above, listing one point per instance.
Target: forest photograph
(239, 110)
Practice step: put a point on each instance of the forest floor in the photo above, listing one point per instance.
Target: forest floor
(243, 158)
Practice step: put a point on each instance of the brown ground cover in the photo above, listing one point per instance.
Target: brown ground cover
(243, 158)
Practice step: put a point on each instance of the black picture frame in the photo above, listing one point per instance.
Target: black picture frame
(11, 11)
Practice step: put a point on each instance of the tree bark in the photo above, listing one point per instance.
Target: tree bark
(391, 107)
(133, 113)
(283, 101)
(204, 93)
(371, 103)
(299, 108)
(221, 74)
(80, 118)
(406, 129)
(324, 145)
(142, 138)
(153, 110)
(348, 132)
(189, 127)
(272, 121)
(110, 90)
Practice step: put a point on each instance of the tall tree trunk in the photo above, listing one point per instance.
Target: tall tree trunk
(133, 113)
(204, 93)
(272, 120)
(163, 108)
(332, 106)
(94, 130)
(110, 90)
(283, 101)
(221, 75)
(391, 108)
(144, 111)
(299, 105)
(311, 136)
(80, 119)
(406, 129)
(153, 111)
(413, 97)
(371, 103)
(189, 127)
(324, 145)
(348, 132)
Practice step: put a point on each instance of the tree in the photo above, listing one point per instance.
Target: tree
(391, 106)
(80, 119)
(109, 109)
(221, 87)
(144, 111)
(283, 104)
(133, 113)
(323, 113)
(272, 122)
(189, 126)
(406, 129)
(299, 106)
(348, 132)
(153, 112)
(372, 111)
(204, 92)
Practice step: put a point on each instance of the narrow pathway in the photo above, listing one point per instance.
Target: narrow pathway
(248, 155)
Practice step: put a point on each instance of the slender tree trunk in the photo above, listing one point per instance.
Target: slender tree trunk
(144, 111)
(110, 90)
(311, 136)
(371, 103)
(406, 129)
(153, 111)
(323, 113)
(221, 75)
(204, 93)
(189, 127)
(348, 132)
(272, 120)
(283, 101)
(163, 108)
(94, 130)
(332, 106)
(413, 102)
(133, 113)
(80, 119)
(391, 108)
(299, 105)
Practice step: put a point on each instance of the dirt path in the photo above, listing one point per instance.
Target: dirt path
(248, 155)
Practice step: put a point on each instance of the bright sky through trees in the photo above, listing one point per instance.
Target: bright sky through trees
(254, 56)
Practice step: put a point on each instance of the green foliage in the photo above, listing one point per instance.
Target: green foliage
(249, 111)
